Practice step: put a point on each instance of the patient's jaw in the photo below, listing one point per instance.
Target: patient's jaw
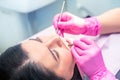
(51, 51)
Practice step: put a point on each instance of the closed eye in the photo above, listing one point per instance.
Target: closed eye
(57, 54)
(54, 54)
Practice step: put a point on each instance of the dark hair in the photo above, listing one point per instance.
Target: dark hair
(15, 65)
(10, 60)
(76, 75)
(31, 71)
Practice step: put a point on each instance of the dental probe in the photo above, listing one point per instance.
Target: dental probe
(62, 8)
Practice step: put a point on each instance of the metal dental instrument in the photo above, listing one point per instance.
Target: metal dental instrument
(62, 9)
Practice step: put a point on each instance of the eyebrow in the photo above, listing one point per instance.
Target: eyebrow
(36, 39)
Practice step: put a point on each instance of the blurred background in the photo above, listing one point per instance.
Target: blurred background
(20, 19)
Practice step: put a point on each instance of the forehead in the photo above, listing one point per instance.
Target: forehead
(34, 48)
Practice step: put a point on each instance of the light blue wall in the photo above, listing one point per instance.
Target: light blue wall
(13, 28)
(42, 18)
(97, 7)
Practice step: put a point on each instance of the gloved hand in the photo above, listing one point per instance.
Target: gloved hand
(88, 57)
(72, 24)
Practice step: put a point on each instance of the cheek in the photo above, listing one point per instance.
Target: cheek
(67, 61)
(66, 56)
(66, 66)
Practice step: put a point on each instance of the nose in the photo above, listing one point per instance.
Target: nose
(54, 41)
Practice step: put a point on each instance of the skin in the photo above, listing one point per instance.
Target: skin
(110, 21)
(44, 53)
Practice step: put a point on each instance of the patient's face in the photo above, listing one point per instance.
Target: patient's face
(51, 52)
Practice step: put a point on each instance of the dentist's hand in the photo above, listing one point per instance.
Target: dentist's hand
(88, 57)
(72, 24)
(69, 23)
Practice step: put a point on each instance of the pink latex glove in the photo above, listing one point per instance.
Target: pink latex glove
(89, 59)
(72, 24)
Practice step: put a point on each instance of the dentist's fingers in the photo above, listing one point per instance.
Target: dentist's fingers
(74, 53)
(77, 54)
(66, 16)
(87, 41)
(83, 43)
(79, 51)
(61, 33)
(56, 20)
(80, 44)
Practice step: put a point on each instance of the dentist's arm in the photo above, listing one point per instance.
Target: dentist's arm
(110, 21)
(88, 58)
(107, 22)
